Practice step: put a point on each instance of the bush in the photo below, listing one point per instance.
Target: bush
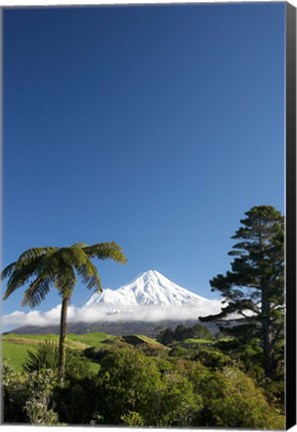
(128, 381)
(37, 407)
(243, 405)
(47, 357)
(76, 402)
(15, 393)
(28, 397)
(179, 403)
(132, 418)
(212, 358)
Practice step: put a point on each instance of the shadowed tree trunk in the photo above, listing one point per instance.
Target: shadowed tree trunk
(62, 345)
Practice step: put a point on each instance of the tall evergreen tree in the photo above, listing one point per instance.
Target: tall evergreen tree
(254, 288)
(58, 267)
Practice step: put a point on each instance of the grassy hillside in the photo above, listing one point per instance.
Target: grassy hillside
(16, 353)
(193, 341)
(136, 340)
(15, 347)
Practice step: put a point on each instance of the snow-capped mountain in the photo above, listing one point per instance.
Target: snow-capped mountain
(149, 288)
(136, 307)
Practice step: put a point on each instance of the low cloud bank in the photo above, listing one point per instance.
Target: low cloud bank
(99, 312)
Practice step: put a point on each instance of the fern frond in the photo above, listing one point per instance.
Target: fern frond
(58, 266)
(8, 271)
(33, 254)
(65, 280)
(107, 250)
(89, 276)
(84, 267)
(37, 291)
(79, 245)
(19, 276)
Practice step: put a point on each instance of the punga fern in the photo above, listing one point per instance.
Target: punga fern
(46, 267)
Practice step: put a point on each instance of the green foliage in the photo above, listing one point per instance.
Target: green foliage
(230, 399)
(182, 333)
(179, 352)
(77, 366)
(132, 418)
(77, 401)
(179, 403)
(28, 397)
(246, 355)
(242, 405)
(254, 288)
(130, 381)
(14, 393)
(166, 336)
(212, 358)
(37, 406)
(199, 332)
(15, 347)
(46, 356)
(196, 386)
(127, 382)
(57, 267)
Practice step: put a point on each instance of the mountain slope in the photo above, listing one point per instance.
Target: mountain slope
(149, 288)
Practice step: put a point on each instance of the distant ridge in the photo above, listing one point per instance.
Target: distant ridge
(117, 328)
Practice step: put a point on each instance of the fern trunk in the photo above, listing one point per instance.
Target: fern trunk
(62, 345)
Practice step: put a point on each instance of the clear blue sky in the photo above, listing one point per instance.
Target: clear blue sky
(155, 127)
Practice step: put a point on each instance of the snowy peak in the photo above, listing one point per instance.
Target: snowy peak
(149, 288)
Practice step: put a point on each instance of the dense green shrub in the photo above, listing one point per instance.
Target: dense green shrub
(181, 333)
(38, 405)
(14, 393)
(76, 402)
(47, 357)
(243, 405)
(211, 357)
(230, 399)
(132, 418)
(129, 381)
(27, 398)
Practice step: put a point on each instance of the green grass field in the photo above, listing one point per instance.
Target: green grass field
(89, 339)
(192, 341)
(149, 340)
(16, 353)
(15, 347)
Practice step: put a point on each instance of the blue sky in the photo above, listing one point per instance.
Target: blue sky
(156, 127)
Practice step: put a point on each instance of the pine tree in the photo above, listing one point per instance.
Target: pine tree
(254, 288)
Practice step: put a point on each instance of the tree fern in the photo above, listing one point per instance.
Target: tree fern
(46, 267)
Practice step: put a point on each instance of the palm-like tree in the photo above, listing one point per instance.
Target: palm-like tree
(58, 267)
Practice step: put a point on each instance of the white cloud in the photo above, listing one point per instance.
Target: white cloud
(99, 312)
